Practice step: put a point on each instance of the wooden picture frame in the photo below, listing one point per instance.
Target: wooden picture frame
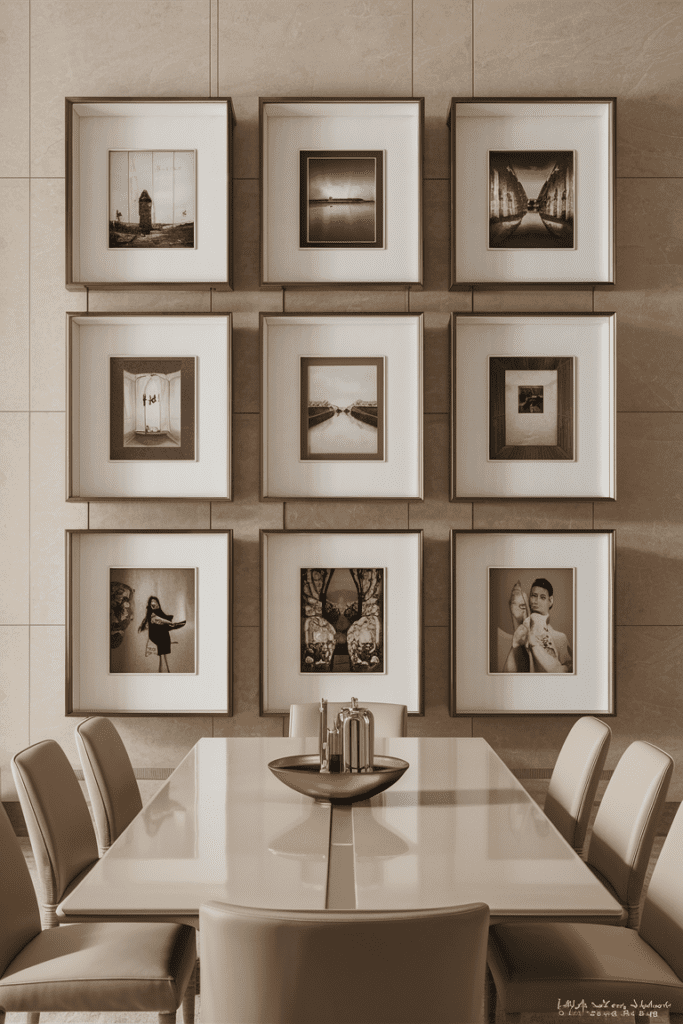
(153, 245)
(108, 458)
(365, 373)
(567, 452)
(374, 647)
(116, 633)
(533, 184)
(387, 130)
(507, 657)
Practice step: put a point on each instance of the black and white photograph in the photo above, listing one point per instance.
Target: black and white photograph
(342, 408)
(531, 620)
(152, 620)
(152, 408)
(342, 620)
(152, 199)
(531, 408)
(341, 199)
(532, 199)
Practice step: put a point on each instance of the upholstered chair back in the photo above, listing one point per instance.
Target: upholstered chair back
(575, 778)
(112, 786)
(626, 823)
(661, 923)
(19, 912)
(319, 967)
(57, 818)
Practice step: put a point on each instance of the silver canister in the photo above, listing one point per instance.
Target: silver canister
(356, 727)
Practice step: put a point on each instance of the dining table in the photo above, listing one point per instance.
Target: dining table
(456, 828)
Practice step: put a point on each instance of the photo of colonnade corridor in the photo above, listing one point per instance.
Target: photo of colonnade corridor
(531, 200)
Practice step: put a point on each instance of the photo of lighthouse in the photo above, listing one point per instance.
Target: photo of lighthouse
(152, 199)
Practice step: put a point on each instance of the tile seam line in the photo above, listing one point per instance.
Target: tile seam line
(30, 389)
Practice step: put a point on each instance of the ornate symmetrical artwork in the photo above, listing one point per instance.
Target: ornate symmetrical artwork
(342, 620)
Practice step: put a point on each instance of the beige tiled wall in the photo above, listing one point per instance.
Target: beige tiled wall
(50, 49)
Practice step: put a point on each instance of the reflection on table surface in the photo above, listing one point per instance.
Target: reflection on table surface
(472, 833)
(457, 827)
(216, 831)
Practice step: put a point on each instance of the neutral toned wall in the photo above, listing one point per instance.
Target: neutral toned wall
(434, 48)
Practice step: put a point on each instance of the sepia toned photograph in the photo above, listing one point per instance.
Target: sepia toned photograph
(152, 409)
(530, 399)
(531, 199)
(152, 624)
(531, 408)
(152, 199)
(342, 408)
(342, 620)
(531, 620)
(342, 199)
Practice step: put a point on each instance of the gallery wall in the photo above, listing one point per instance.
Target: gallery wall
(50, 49)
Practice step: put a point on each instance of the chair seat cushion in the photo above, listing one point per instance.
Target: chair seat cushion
(535, 965)
(101, 966)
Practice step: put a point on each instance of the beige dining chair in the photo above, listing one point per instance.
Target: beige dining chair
(390, 720)
(109, 777)
(58, 821)
(327, 967)
(538, 967)
(575, 778)
(626, 824)
(92, 967)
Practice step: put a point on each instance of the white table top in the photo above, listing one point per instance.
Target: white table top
(456, 828)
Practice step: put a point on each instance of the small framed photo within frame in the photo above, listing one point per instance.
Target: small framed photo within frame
(148, 186)
(341, 406)
(533, 406)
(532, 627)
(341, 183)
(148, 622)
(149, 406)
(341, 612)
(532, 191)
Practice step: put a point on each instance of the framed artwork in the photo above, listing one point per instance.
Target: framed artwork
(148, 622)
(532, 628)
(341, 406)
(341, 612)
(148, 186)
(149, 406)
(339, 176)
(152, 199)
(532, 191)
(533, 406)
(341, 199)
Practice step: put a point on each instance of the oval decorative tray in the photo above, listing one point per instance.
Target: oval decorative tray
(302, 773)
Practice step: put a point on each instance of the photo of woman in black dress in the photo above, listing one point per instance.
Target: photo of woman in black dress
(159, 625)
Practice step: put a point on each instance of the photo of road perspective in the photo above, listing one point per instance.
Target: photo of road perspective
(342, 408)
(342, 620)
(152, 198)
(341, 199)
(531, 200)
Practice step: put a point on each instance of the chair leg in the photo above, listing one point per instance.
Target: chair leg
(196, 978)
(188, 998)
(31, 1018)
(167, 1018)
